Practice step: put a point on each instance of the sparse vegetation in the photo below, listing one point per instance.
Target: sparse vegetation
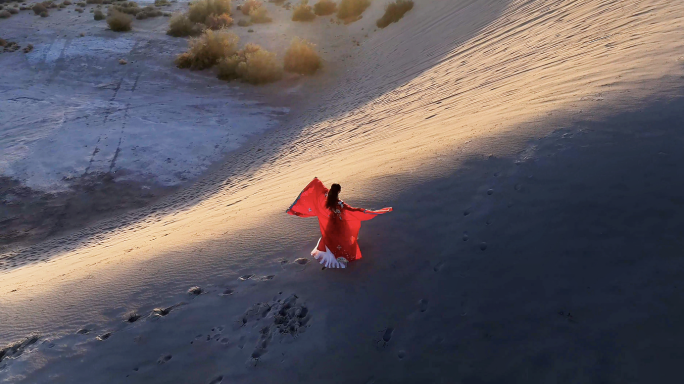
(325, 7)
(303, 12)
(94, 1)
(301, 57)
(208, 49)
(161, 3)
(147, 12)
(351, 10)
(28, 48)
(79, 10)
(44, 14)
(39, 8)
(200, 10)
(13, 11)
(119, 21)
(251, 64)
(259, 16)
(181, 26)
(216, 22)
(394, 11)
(66, 2)
(98, 15)
(247, 7)
(129, 8)
(5, 14)
(244, 23)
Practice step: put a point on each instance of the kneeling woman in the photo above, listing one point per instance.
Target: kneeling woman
(339, 223)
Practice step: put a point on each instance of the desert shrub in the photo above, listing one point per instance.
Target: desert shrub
(98, 15)
(44, 14)
(394, 11)
(199, 11)
(303, 12)
(181, 26)
(325, 7)
(301, 57)
(66, 2)
(13, 11)
(216, 22)
(28, 48)
(118, 21)
(206, 50)
(351, 10)
(247, 7)
(39, 8)
(79, 10)
(3, 42)
(129, 10)
(161, 3)
(277, 2)
(147, 12)
(94, 1)
(259, 16)
(252, 64)
(244, 23)
(260, 67)
(5, 15)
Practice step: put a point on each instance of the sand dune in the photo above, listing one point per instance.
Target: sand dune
(529, 150)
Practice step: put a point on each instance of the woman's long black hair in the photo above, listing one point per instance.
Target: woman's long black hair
(333, 196)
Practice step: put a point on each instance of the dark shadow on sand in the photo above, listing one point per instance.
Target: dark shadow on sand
(580, 279)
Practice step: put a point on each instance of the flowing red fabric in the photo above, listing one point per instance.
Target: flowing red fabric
(339, 230)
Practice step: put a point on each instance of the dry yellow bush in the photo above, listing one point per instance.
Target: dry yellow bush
(303, 12)
(394, 11)
(251, 64)
(199, 10)
(181, 26)
(325, 7)
(118, 21)
(249, 5)
(217, 22)
(206, 50)
(351, 10)
(301, 57)
(259, 16)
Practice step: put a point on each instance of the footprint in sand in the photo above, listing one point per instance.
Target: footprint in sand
(483, 246)
(104, 336)
(216, 380)
(228, 292)
(245, 277)
(423, 305)
(195, 290)
(132, 317)
(386, 336)
(164, 359)
(439, 266)
(401, 354)
(465, 236)
(301, 261)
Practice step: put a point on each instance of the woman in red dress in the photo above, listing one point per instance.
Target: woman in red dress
(339, 223)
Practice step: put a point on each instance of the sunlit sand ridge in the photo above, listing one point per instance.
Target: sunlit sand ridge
(414, 102)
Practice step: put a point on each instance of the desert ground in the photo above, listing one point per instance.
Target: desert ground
(531, 151)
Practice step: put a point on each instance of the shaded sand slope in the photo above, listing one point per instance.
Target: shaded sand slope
(578, 279)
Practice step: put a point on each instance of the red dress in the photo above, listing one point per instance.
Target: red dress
(339, 228)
